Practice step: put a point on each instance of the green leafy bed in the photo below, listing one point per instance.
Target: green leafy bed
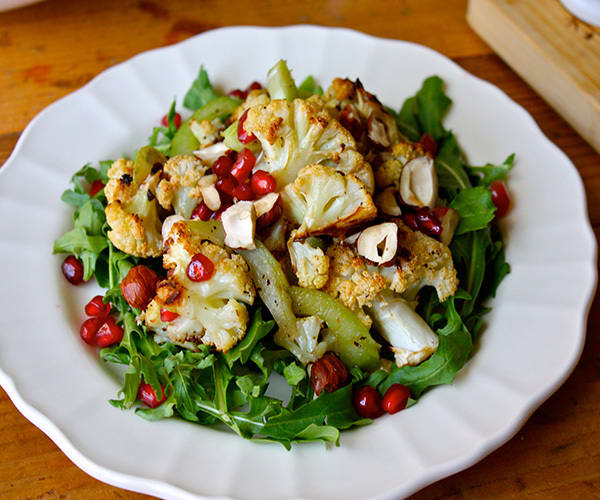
(214, 388)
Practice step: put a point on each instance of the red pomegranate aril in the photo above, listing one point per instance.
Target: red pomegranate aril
(367, 402)
(201, 212)
(96, 307)
(200, 268)
(410, 219)
(148, 396)
(500, 198)
(428, 143)
(440, 212)
(89, 329)
(243, 136)
(217, 215)
(96, 187)
(226, 185)
(428, 222)
(109, 333)
(176, 120)
(222, 167)
(395, 398)
(270, 217)
(72, 269)
(239, 94)
(254, 86)
(242, 168)
(243, 192)
(167, 316)
(262, 183)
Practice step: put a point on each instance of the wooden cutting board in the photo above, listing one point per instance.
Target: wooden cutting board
(557, 54)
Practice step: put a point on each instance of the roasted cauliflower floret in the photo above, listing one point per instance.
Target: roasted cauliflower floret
(426, 262)
(258, 97)
(131, 212)
(388, 164)
(362, 114)
(210, 311)
(324, 201)
(179, 189)
(300, 133)
(309, 262)
(351, 282)
(306, 346)
(207, 132)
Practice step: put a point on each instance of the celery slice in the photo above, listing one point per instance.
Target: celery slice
(350, 339)
(144, 161)
(280, 83)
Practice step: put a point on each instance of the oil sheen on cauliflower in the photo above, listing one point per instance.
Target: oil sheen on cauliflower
(211, 311)
(389, 164)
(179, 189)
(323, 201)
(309, 262)
(300, 133)
(132, 212)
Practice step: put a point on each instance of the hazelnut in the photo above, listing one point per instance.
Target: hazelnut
(328, 373)
(139, 286)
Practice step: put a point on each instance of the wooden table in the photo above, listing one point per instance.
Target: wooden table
(53, 48)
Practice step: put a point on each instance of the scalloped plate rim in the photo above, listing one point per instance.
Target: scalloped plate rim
(433, 473)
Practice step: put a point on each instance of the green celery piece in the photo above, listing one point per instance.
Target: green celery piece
(144, 160)
(352, 341)
(280, 83)
(184, 141)
(272, 286)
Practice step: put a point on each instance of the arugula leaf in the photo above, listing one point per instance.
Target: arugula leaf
(163, 411)
(294, 374)
(489, 172)
(450, 167)
(309, 87)
(200, 93)
(407, 120)
(432, 104)
(475, 208)
(258, 330)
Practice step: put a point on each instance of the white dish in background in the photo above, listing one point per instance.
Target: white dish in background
(586, 10)
(534, 336)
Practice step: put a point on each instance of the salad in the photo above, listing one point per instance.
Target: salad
(287, 261)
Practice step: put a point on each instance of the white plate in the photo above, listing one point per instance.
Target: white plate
(534, 336)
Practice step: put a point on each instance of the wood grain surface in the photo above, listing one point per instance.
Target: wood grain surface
(53, 48)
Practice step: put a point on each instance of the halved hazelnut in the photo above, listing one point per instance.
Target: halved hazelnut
(265, 203)
(239, 224)
(419, 183)
(386, 202)
(378, 243)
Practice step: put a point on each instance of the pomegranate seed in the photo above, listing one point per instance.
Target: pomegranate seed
(97, 307)
(200, 268)
(201, 212)
(262, 183)
(270, 217)
(109, 333)
(410, 219)
(243, 165)
(176, 120)
(428, 143)
(395, 398)
(167, 316)
(148, 396)
(222, 167)
(440, 212)
(500, 198)
(243, 192)
(225, 186)
(367, 402)
(217, 215)
(89, 329)
(72, 269)
(231, 154)
(255, 86)
(243, 136)
(239, 94)
(428, 222)
(96, 187)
